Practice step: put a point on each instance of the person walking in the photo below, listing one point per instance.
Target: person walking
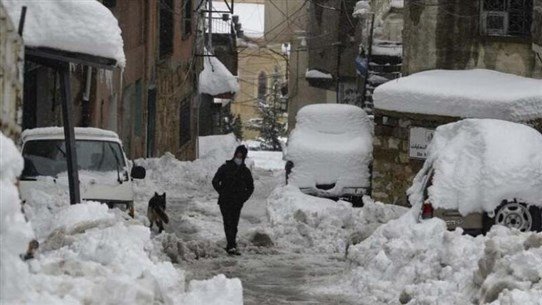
(234, 184)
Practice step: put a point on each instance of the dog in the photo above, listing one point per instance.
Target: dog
(156, 212)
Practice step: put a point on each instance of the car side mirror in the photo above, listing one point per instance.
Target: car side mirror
(138, 172)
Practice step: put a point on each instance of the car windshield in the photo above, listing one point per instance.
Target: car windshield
(48, 157)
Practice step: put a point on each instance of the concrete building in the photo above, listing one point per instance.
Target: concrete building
(333, 47)
(464, 34)
(11, 77)
(286, 23)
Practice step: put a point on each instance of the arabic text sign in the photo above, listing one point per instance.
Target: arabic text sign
(419, 140)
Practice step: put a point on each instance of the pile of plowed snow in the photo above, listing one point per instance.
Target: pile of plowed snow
(406, 262)
(307, 223)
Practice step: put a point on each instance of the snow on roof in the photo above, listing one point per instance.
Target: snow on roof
(477, 163)
(466, 93)
(317, 74)
(362, 8)
(387, 48)
(58, 132)
(397, 3)
(81, 26)
(216, 79)
(251, 17)
(331, 143)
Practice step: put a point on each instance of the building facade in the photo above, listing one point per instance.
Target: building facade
(11, 77)
(151, 103)
(286, 24)
(464, 34)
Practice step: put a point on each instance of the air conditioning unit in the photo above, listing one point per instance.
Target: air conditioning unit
(495, 23)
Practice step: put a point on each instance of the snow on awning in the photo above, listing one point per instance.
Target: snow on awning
(79, 26)
(317, 74)
(475, 93)
(215, 79)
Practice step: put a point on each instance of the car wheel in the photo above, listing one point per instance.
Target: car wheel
(518, 215)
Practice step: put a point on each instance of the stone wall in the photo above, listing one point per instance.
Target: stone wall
(393, 169)
(11, 76)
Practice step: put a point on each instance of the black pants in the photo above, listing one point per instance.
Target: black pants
(230, 215)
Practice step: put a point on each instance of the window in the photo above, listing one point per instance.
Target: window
(262, 86)
(48, 157)
(166, 27)
(507, 17)
(184, 127)
(187, 18)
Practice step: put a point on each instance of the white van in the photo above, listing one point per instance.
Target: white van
(103, 166)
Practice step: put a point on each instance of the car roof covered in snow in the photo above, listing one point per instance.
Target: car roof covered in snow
(477, 163)
(86, 133)
(81, 26)
(331, 143)
(475, 93)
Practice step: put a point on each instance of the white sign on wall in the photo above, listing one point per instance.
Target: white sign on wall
(419, 141)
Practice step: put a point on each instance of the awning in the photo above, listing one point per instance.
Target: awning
(72, 28)
(215, 79)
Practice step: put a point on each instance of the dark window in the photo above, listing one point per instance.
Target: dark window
(187, 18)
(184, 127)
(262, 86)
(507, 17)
(166, 27)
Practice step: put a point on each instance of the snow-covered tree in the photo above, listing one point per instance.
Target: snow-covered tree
(272, 126)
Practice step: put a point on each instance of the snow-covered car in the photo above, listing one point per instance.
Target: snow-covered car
(329, 152)
(481, 172)
(103, 166)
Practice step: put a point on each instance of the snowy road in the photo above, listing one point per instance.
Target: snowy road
(270, 276)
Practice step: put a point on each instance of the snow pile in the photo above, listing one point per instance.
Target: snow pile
(331, 143)
(58, 133)
(89, 248)
(82, 26)
(405, 262)
(221, 146)
(305, 223)
(480, 162)
(471, 93)
(15, 232)
(317, 74)
(216, 79)
(269, 160)
(387, 48)
(362, 8)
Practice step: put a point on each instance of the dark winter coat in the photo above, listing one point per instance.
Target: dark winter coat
(234, 183)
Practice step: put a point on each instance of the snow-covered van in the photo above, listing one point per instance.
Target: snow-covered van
(104, 171)
(329, 151)
(481, 172)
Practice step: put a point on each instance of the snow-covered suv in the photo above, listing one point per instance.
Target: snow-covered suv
(103, 166)
(481, 172)
(329, 152)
